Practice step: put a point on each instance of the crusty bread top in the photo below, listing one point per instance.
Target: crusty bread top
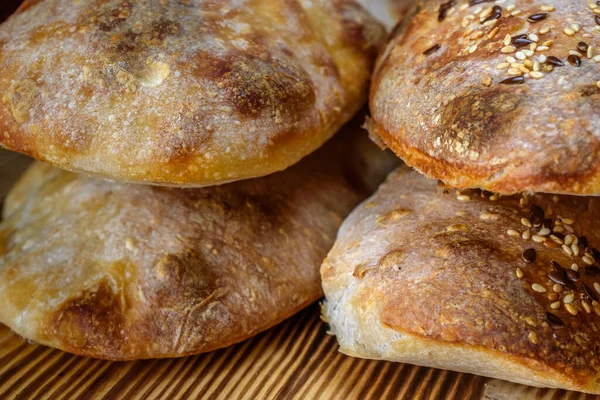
(438, 100)
(120, 271)
(450, 269)
(186, 93)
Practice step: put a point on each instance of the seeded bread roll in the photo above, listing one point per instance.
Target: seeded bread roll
(181, 93)
(503, 97)
(505, 287)
(121, 272)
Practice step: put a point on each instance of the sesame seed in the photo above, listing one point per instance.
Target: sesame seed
(537, 17)
(512, 232)
(533, 37)
(571, 309)
(575, 267)
(538, 288)
(526, 222)
(556, 239)
(494, 197)
(586, 306)
(596, 59)
(543, 48)
(508, 49)
(432, 49)
(547, 8)
(519, 273)
(544, 30)
(569, 228)
(569, 32)
(510, 7)
(528, 53)
(510, 59)
(568, 221)
(559, 229)
(502, 66)
(597, 287)
(575, 249)
(544, 232)
(515, 12)
(526, 235)
(529, 255)
(533, 338)
(463, 197)
(567, 250)
(590, 52)
(542, 58)
(569, 239)
(538, 238)
(598, 84)
(587, 260)
(569, 298)
(548, 43)
(493, 33)
(536, 74)
(590, 293)
(575, 27)
(557, 288)
(523, 69)
(519, 55)
(533, 46)
(507, 39)
(555, 305)
(521, 41)
(575, 53)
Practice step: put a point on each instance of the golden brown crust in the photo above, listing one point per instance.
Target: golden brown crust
(119, 271)
(447, 114)
(441, 279)
(186, 93)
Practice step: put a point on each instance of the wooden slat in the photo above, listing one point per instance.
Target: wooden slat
(295, 360)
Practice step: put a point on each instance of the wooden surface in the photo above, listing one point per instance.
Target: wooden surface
(295, 360)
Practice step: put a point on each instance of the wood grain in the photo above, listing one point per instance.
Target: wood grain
(295, 360)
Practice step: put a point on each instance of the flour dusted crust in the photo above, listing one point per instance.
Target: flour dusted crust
(122, 272)
(446, 112)
(181, 93)
(445, 279)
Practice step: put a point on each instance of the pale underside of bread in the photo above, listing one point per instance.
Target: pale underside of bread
(426, 277)
(446, 113)
(118, 271)
(181, 93)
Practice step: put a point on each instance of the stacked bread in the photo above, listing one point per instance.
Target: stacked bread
(497, 272)
(154, 96)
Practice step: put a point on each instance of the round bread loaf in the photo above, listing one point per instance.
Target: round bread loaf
(505, 287)
(181, 93)
(121, 272)
(503, 97)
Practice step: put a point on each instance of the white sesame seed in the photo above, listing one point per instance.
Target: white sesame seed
(515, 12)
(567, 250)
(463, 197)
(533, 36)
(569, 298)
(510, 7)
(571, 309)
(542, 59)
(544, 30)
(538, 288)
(586, 306)
(519, 273)
(587, 260)
(536, 66)
(575, 27)
(515, 71)
(528, 53)
(559, 229)
(569, 31)
(544, 232)
(542, 48)
(519, 55)
(569, 228)
(555, 305)
(547, 8)
(568, 221)
(494, 197)
(598, 84)
(587, 35)
(493, 32)
(596, 58)
(568, 240)
(575, 53)
(533, 46)
(510, 59)
(473, 49)
(512, 232)
(575, 249)
(597, 27)
(507, 39)
(491, 22)
(597, 287)
(508, 49)
(590, 52)
(575, 267)
(526, 222)
(523, 69)
(538, 238)
(557, 288)
(486, 13)
(526, 235)
(464, 7)
(556, 239)
(536, 74)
